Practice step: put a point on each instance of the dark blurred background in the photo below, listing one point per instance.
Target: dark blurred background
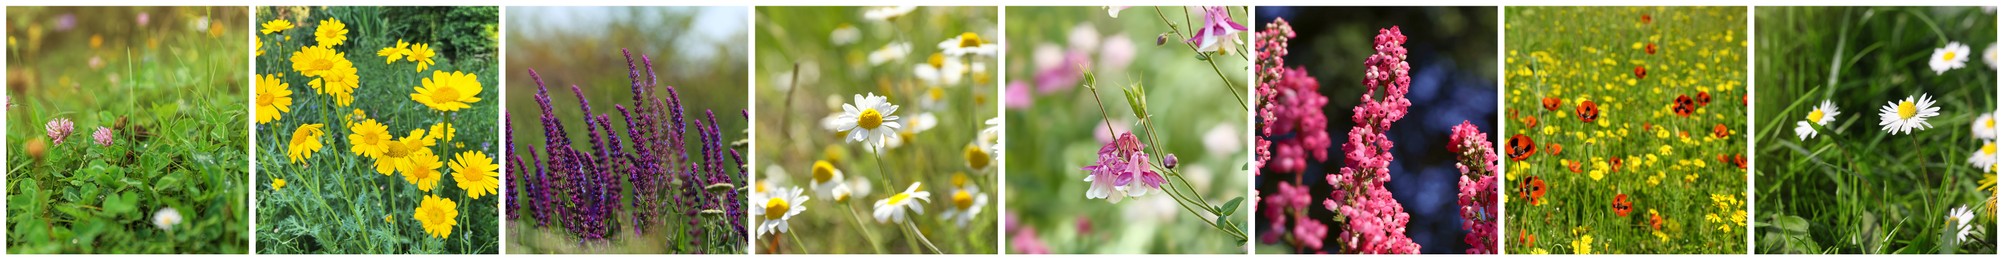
(1452, 52)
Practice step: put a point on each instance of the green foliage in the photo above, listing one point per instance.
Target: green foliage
(172, 94)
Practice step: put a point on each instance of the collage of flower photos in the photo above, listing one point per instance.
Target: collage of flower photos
(682, 128)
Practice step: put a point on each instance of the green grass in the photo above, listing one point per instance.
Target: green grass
(1855, 188)
(174, 98)
(1576, 54)
(335, 202)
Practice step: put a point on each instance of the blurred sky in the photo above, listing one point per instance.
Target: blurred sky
(719, 23)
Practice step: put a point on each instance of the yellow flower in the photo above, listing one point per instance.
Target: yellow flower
(476, 174)
(448, 91)
(423, 170)
(396, 154)
(331, 32)
(277, 184)
(316, 60)
(421, 54)
(370, 139)
(438, 215)
(274, 98)
(339, 82)
(260, 47)
(442, 132)
(305, 141)
(394, 52)
(277, 25)
(1583, 246)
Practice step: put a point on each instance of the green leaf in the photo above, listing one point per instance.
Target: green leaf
(1230, 207)
(120, 204)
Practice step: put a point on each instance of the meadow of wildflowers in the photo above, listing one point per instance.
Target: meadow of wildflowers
(360, 156)
(1133, 131)
(1625, 130)
(1374, 139)
(876, 130)
(643, 161)
(128, 132)
(1876, 130)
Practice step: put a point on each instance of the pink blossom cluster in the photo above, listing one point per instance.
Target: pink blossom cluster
(60, 129)
(1290, 206)
(1375, 222)
(1123, 170)
(1477, 186)
(1292, 127)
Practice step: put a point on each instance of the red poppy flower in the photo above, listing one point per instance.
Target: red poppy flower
(1739, 160)
(1640, 73)
(1521, 147)
(1655, 220)
(1683, 134)
(1556, 148)
(1645, 19)
(1622, 206)
(1684, 106)
(1529, 121)
(1651, 48)
(1645, 126)
(1588, 111)
(1574, 166)
(1703, 98)
(1551, 103)
(1616, 162)
(1526, 238)
(1720, 131)
(1535, 189)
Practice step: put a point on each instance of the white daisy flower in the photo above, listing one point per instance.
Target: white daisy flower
(967, 204)
(166, 218)
(1820, 115)
(826, 178)
(891, 210)
(1803, 130)
(912, 126)
(871, 120)
(1989, 56)
(941, 71)
(1985, 126)
(967, 43)
(1984, 157)
(978, 159)
(1901, 117)
(889, 52)
(1949, 57)
(934, 98)
(858, 187)
(774, 208)
(844, 34)
(841, 193)
(1959, 217)
(887, 13)
(990, 137)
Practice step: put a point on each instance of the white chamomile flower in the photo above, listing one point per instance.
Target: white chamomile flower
(1820, 115)
(1949, 57)
(858, 187)
(1984, 157)
(887, 13)
(967, 43)
(912, 126)
(889, 52)
(891, 210)
(1901, 117)
(934, 99)
(990, 137)
(1989, 56)
(166, 218)
(844, 34)
(772, 209)
(1984, 126)
(978, 158)
(940, 71)
(1959, 217)
(826, 178)
(967, 204)
(841, 193)
(871, 120)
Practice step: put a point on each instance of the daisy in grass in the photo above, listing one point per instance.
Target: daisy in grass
(370, 139)
(1984, 157)
(1985, 126)
(422, 170)
(1952, 56)
(1902, 117)
(331, 32)
(476, 174)
(1959, 217)
(448, 92)
(967, 203)
(1820, 115)
(870, 120)
(437, 215)
(305, 140)
(274, 98)
(392, 53)
(776, 206)
(967, 43)
(891, 210)
(826, 178)
(397, 154)
(275, 26)
(421, 53)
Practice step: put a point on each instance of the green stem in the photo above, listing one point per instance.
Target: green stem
(921, 236)
(1228, 85)
(796, 241)
(873, 244)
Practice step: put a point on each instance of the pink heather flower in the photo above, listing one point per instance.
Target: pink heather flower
(1477, 186)
(1375, 222)
(1290, 203)
(1218, 30)
(1122, 171)
(103, 136)
(1308, 233)
(1292, 126)
(60, 129)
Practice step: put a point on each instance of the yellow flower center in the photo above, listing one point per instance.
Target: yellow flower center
(972, 40)
(758, 187)
(444, 95)
(938, 60)
(264, 99)
(321, 64)
(396, 150)
(870, 119)
(1989, 148)
(776, 208)
(373, 138)
(1815, 116)
(937, 93)
(977, 157)
(895, 199)
(1947, 56)
(963, 200)
(824, 172)
(959, 179)
(1907, 110)
(1991, 123)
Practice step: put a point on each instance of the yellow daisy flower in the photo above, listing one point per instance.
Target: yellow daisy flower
(277, 184)
(423, 170)
(274, 98)
(476, 174)
(438, 215)
(305, 141)
(448, 91)
(315, 60)
(442, 132)
(275, 26)
(339, 82)
(331, 32)
(370, 139)
(396, 154)
(421, 54)
(394, 52)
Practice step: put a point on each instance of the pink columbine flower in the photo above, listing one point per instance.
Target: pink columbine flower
(1375, 222)
(103, 136)
(1477, 186)
(1218, 30)
(1123, 170)
(60, 129)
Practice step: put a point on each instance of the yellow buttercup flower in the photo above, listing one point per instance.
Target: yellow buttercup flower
(305, 141)
(476, 174)
(448, 91)
(315, 60)
(277, 184)
(278, 25)
(421, 54)
(438, 215)
(370, 139)
(396, 154)
(394, 52)
(423, 170)
(274, 98)
(331, 32)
